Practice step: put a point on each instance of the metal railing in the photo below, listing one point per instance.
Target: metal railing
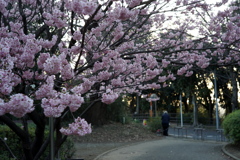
(175, 118)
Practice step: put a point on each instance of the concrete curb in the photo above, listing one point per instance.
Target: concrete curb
(228, 154)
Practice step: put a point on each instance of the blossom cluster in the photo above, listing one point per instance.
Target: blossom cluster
(54, 105)
(18, 106)
(109, 97)
(79, 127)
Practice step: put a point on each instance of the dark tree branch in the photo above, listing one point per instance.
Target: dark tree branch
(24, 19)
(83, 31)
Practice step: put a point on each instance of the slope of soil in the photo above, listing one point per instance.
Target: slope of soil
(111, 136)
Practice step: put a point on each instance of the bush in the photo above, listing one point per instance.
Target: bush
(67, 150)
(14, 143)
(231, 126)
(187, 118)
(154, 123)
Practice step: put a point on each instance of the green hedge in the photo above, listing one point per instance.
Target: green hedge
(14, 143)
(231, 126)
(154, 123)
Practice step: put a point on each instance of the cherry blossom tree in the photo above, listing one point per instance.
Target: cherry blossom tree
(56, 54)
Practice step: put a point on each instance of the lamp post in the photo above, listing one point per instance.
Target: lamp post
(216, 100)
(181, 114)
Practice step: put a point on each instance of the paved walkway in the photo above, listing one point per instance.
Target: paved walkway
(169, 148)
(185, 143)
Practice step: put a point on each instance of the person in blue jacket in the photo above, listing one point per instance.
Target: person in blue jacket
(165, 122)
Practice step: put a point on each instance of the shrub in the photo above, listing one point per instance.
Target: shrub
(11, 140)
(231, 126)
(67, 150)
(14, 143)
(187, 118)
(154, 123)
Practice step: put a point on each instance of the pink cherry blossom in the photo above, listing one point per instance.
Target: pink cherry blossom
(72, 101)
(28, 75)
(89, 8)
(154, 86)
(162, 78)
(46, 90)
(19, 105)
(6, 82)
(67, 72)
(117, 82)
(52, 107)
(42, 59)
(52, 65)
(133, 3)
(189, 73)
(80, 127)
(104, 75)
(109, 97)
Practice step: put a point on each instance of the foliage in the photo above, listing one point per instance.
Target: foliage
(14, 143)
(154, 123)
(11, 140)
(143, 105)
(231, 126)
(67, 150)
(203, 118)
(187, 118)
(118, 110)
(127, 119)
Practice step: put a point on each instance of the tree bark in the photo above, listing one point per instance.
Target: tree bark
(186, 107)
(96, 115)
(195, 111)
(39, 132)
(234, 99)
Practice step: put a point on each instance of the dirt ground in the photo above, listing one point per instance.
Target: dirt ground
(114, 135)
(111, 136)
(234, 149)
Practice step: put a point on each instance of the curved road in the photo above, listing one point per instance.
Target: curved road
(168, 148)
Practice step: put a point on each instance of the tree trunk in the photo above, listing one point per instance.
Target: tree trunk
(132, 104)
(208, 104)
(39, 132)
(226, 98)
(195, 111)
(234, 99)
(186, 107)
(96, 115)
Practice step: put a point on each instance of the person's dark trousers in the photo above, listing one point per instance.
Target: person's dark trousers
(165, 128)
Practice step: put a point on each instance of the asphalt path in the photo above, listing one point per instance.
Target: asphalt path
(168, 148)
